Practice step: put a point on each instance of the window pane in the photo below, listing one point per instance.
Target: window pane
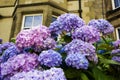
(117, 3)
(37, 20)
(54, 18)
(28, 21)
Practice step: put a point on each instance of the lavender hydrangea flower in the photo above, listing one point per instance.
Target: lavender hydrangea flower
(116, 44)
(56, 27)
(116, 58)
(24, 39)
(70, 21)
(19, 63)
(115, 51)
(52, 74)
(78, 61)
(102, 25)
(4, 46)
(87, 34)
(35, 38)
(50, 58)
(49, 43)
(78, 46)
(10, 52)
(31, 75)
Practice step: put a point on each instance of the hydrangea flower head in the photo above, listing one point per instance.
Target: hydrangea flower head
(77, 60)
(116, 44)
(56, 27)
(51, 74)
(50, 58)
(87, 34)
(4, 46)
(10, 52)
(116, 58)
(24, 39)
(19, 63)
(115, 51)
(35, 38)
(78, 46)
(102, 25)
(70, 21)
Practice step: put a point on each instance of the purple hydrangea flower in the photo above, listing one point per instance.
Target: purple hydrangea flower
(78, 46)
(52, 74)
(77, 60)
(116, 44)
(56, 27)
(10, 52)
(19, 63)
(115, 51)
(87, 34)
(35, 38)
(70, 21)
(116, 58)
(102, 25)
(50, 58)
(4, 46)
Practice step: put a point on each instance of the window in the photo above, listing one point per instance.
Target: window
(32, 20)
(116, 3)
(118, 33)
(54, 18)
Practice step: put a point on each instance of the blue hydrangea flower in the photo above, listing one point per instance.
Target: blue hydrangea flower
(55, 27)
(78, 61)
(70, 21)
(10, 52)
(102, 25)
(50, 58)
(101, 51)
(78, 46)
(87, 34)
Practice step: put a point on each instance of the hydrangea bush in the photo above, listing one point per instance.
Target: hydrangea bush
(69, 49)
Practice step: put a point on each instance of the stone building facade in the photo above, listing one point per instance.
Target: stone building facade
(112, 9)
(16, 15)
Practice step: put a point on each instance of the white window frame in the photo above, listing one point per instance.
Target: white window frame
(113, 5)
(23, 20)
(117, 35)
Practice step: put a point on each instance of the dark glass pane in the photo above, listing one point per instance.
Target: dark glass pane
(37, 20)
(28, 21)
(53, 18)
(117, 3)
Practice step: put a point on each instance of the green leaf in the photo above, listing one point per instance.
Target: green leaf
(99, 75)
(107, 61)
(72, 73)
(84, 76)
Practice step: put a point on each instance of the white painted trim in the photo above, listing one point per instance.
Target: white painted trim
(113, 5)
(117, 35)
(23, 20)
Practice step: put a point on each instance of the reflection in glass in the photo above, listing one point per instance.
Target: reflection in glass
(37, 20)
(28, 21)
